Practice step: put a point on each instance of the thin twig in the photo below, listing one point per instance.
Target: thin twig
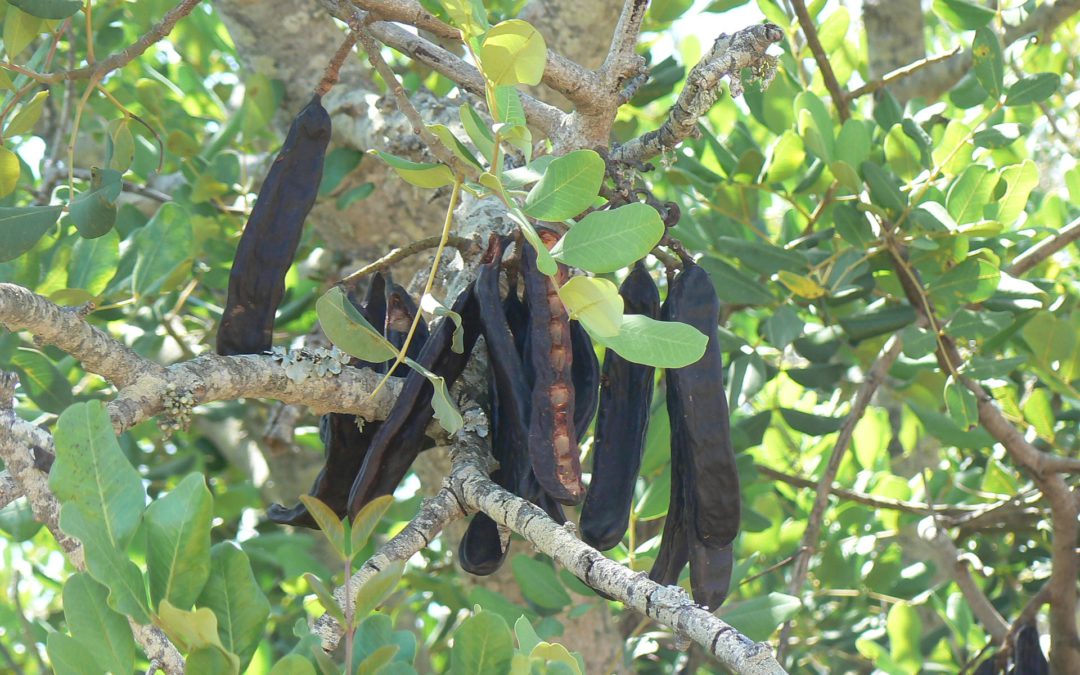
(463, 244)
(902, 72)
(874, 378)
(840, 100)
(1023, 263)
(120, 59)
(333, 69)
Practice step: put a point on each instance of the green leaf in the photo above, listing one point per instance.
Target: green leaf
(905, 631)
(762, 256)
(68, 656)
(164, 252)
(93, 263)
(1039, 413)
(918, 342)
(735, 286)
(446, 412)
(377, 659)
(902, 154)
(883, 189)
(421, 174)
(569, 186)
(328, 522)
(293, 664)
(376, 589)
(1051, 340)
(10, 169)
(963, 14)
(91, 476)
(353, 195)
(41, 380)
(121, 145)
(853, 142)
(595, 302)
(786, 157)
(178, 542)
(349, 330)
(444, 134)
(28, 114)
(973, 280)
(507, 108)
(1000, 135)
(513, 52)
(758, 618)
(656, 498)
(478, 130)
(800, 285)
(661, 344)
(815, 125)
(811, 425)
(21, 227)
(430, 304)
(606, 241)
(103, 635)
(483, 645)
(989, 65)
(544, 262)
(326, 597)
(961, 403)
(527, 638)
(833, 31)
(194, 630)
(339, 162)
(237, 601)
(539, 583)
(468, 15)
(969, 193)
(1032, 89)
(378, 630)
(94, 211)
(365, 522)
(783, 327)
(20, 29)
(877, 320)
(1021, 179)
(48, 9)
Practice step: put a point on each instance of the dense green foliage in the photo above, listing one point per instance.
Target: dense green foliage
(824, 239)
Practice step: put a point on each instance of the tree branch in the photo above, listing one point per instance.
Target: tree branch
(97, 70)
(728, 56)
(840, 99)
(958, 567)
(9, 489)
(874, 378)
(469, 488)
(547, 118)
(570, 79)
(622, 62)
(34, 484)
(1024, 262)
(901, 73)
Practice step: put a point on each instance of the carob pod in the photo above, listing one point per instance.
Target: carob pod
(344, 442)
(272, 233)
(1027, 656)
(553, 446)
(481, 551)
(626, 390)
(400, 311)
(585, 374)
(704, 475)
(402, 434)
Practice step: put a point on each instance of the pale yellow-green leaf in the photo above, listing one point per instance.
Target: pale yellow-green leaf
(420, 174)
(328, 522)
(804, 287)
(594, 302)
(513, 52)
(9, 171)
(785, 158)
(27, 116)
(1021, 179)
(189, 630)
(20, 29)
(953, 153)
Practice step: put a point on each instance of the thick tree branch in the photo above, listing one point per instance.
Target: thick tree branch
(9, 489)
(470, 488)
(561, 74)
(900, 73)
(728, 56)
(22, 309)
(34, 484)
(874, 377)
(547, 118)
(622, 62)
(1024, 262)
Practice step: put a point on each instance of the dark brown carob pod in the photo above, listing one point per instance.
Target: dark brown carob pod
(1027, 656)
(553, 446)
(345, 443)
(402, 434)
(272, 233)
(481, 550)
(586, 377)
(702, 459)
(626, 390)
